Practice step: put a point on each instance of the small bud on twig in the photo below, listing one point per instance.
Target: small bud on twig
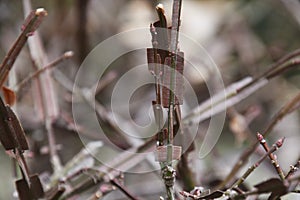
(259, 137)
(279, 143)
(41, 12)
(68, 54)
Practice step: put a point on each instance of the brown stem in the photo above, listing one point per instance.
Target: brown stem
(274, 162)
(32, 22)
(246, 154)
(101, 111)
(277, 68)
(254, 166)
(65, 56)
(81, 36)
(105, 81)
(125, 160)
(116, 183)
(281, 61)
(293, 170)
(49, 101)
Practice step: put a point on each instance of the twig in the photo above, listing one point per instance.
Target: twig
(274, 147)
(84, 171)
(274, 162)
(49, 101)
(82, 36)
(96, 196)
(175, 25)
(238, 91)
(293, 170)
(77, 160)
(244, 195)
(286, 109)
(168, 172)
(154, 55)
(246, 154)
(65, 56)
(278, 67)
(83, 186)
(31, 24)
(101, 111)
(157, 62)
(294, 178)
(116, 183)
(173, 50)
(124, 161)
(105, 81)
(186, 174)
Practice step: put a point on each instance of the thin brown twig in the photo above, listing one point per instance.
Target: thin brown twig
(86, 171)
(167, 170)
(105, 81)
(81, 32)
(240, 90)
(294, 178)
(101, 111)
(276, 68)
(290, 64)
(290, 105)
(32, 22)
(125, 161)
(48, 95)
(282, 61)
(116, 183)
(274, 147)
(65, 56)
(293, 170)
(97, 195)
(274, 161)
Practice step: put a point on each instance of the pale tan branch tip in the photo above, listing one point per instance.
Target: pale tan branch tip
(160, 7)
(41, 12)
(68, 54)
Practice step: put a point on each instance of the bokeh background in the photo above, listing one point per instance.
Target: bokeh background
(242, 37)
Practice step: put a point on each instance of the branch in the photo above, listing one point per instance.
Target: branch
(168, 172)
(274, 162)
(48, 95)
(51, 65)
(274, 148)
(286, 109)
(293, 170)
(240, 90)
(116, 183)
(32, 22)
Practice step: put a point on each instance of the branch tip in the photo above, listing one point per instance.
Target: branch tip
(41, 12)
(68, 54)
(279, 143)
(160, 7)
(259, 137)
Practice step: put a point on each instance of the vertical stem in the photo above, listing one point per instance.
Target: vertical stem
(157, 66)
(173, 50)
(170, 122)
(175, 25)
(32, 21)
(45, 82)
(81, 36)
